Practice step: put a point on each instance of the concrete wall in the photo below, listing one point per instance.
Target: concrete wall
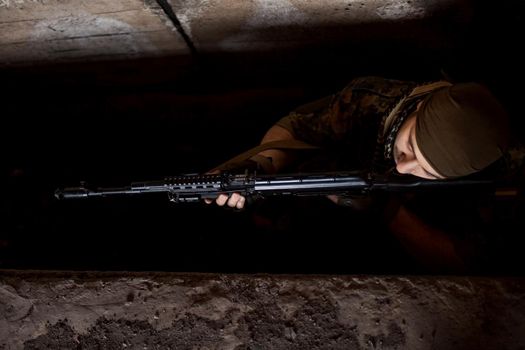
(36, 31)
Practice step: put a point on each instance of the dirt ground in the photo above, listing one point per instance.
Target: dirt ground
(66, 310)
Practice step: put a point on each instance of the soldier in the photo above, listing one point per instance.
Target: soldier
(437, 130)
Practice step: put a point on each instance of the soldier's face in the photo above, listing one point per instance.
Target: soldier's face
(407, 155)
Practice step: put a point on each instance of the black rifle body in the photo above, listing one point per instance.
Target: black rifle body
(192, 188)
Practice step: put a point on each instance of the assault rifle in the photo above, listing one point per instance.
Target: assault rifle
(193, 188)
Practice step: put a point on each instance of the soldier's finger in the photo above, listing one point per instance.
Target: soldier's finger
(221, 199)
(240, 203)
(234, 198)
(334, 198)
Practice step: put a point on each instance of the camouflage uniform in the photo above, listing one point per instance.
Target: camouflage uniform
(351, 122)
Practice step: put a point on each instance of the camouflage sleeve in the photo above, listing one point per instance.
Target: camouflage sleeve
(318, 122)
(305, 116)
(335, 119)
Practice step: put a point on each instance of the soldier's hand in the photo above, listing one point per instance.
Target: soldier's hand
(235, 200)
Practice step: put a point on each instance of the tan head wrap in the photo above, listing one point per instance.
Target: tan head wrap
(461, 129)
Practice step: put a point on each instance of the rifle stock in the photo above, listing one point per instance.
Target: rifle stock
(192, 188)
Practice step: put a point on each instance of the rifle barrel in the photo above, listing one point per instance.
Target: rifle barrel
(195, 187)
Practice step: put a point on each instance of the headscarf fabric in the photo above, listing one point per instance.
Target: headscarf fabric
(461, 129)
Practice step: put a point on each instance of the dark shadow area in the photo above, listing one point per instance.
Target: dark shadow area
(111, 123)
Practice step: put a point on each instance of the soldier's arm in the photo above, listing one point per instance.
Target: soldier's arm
(279, 158)
(430, 246)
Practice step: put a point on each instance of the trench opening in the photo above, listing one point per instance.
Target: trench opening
(113, 123)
